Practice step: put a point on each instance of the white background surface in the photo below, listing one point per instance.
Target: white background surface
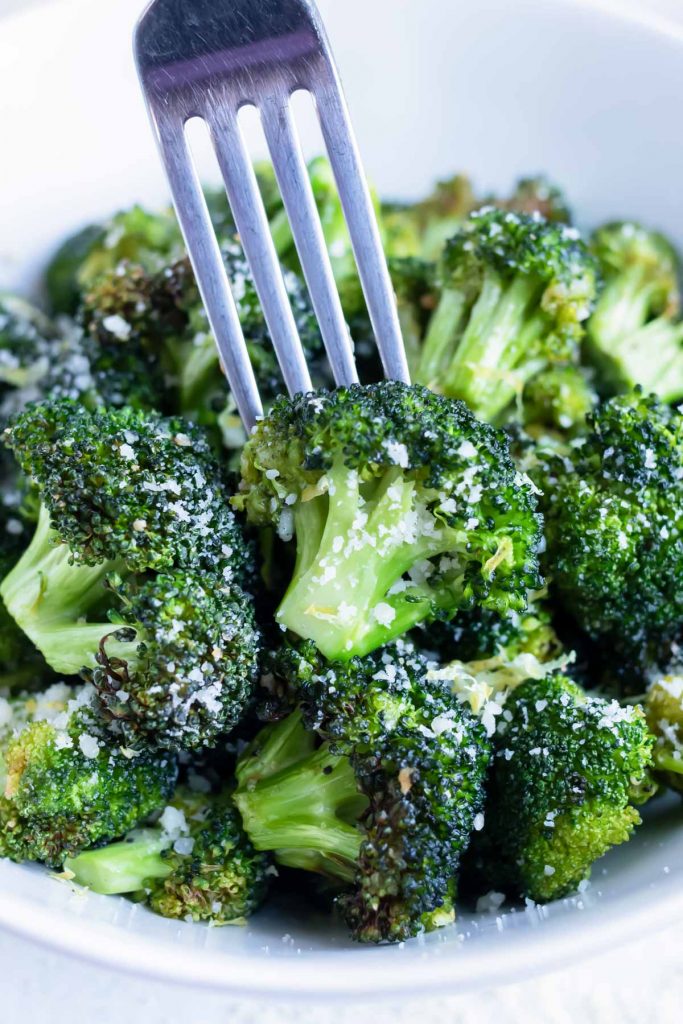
(643, 982)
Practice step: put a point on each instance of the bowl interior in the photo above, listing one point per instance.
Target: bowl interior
(495, 89)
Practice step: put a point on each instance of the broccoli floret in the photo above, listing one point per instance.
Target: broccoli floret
(566, 768)
(134, 235)
(664, 711)
(65, 784)
(633, 334)
(386, 803)
(135, 318)
(537, 195)
(135, 569)
(559, 398)
(196, 864)
(193, 666)
(481, 633)
(614, 524)
(441, 214)
(404, 508)
(516, 293)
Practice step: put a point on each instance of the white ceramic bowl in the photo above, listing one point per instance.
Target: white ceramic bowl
(497, 87)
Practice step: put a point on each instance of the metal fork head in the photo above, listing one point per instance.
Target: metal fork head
(208, 59)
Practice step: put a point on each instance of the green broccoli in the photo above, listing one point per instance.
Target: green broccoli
(536, 195)
(516, 293)
(195, 864)
(386, 803)
(404, 508)
(567, 768)
(633, 334)
(134, 235)
(558, 398)
(135, 318)
(614, 525)
(664, 711)
(65, 784)
(480, 633)
(135, 569)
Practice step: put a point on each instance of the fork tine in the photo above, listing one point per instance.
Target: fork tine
(207, 262)
(297, 194)
(362, 224)
(247, 208)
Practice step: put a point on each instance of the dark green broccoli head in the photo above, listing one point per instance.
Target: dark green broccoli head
(516, 293)
(66, 785)
(566, 766)
(193, 665)
(404, 508)
(61, 275)
(559, 398)
(401, 742)
(614, 524)
(634, 336)
(121, 484)
(481, 633)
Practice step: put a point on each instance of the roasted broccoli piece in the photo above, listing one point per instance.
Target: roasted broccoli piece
(64, 783)
(567, 768)
(133, 235)
(481, 633)
(385, 803)
(634, 336)
(664, 711)
(404, 508)
(132, 315)
(558, 398)
(536, 195)
(614, 525)
(516, 293)
(135, 569)
(195, 864)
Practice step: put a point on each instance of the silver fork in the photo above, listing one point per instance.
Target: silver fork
(207, 59)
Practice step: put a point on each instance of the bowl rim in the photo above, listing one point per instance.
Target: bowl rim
(555, 942)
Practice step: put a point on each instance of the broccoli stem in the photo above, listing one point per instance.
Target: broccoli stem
(497, 341)
(304, 812)
(623, 306)
(197, 369)
(48, 597)
(651, 356)
(122, 867)
(438, 345)
(341, 594)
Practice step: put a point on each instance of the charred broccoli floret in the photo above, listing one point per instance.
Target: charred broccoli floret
(614, 524)
(136, 235)
(516, 292)
(567, 768)
(135, 569)
(386, 803)
(195, 864)
(64, 783)
(634, 336)
(404, 508)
